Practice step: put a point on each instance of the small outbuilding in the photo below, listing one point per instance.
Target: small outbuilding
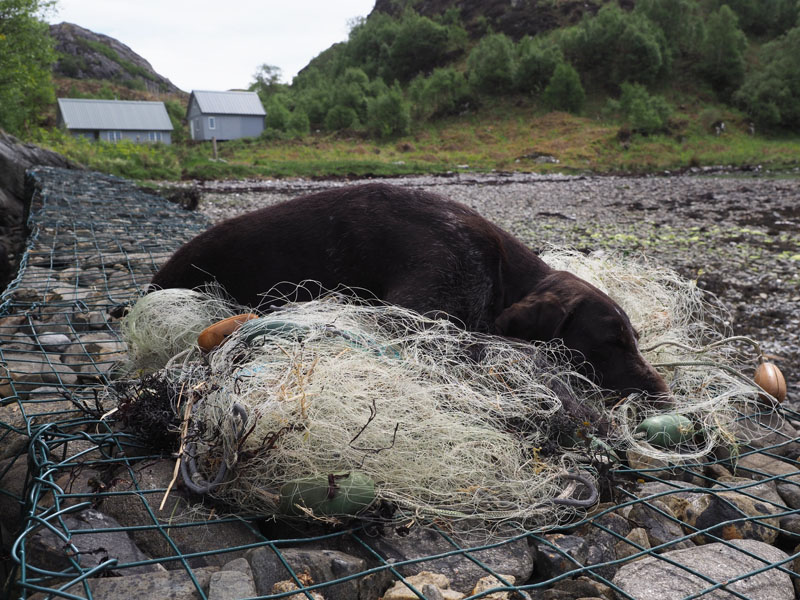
(114, 120)
(225, 115)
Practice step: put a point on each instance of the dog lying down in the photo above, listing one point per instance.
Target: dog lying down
(423, 252)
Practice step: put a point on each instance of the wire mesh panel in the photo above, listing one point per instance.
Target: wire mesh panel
(92, 504)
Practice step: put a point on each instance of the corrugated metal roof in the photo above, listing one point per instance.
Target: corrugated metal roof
(119, 115)
(228, 103)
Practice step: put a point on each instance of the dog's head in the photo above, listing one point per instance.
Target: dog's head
(592, 325)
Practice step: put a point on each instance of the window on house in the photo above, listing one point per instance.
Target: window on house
(212, 123)
(114, 136)
(154, 136)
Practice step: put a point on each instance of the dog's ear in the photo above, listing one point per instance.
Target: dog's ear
(538, 317)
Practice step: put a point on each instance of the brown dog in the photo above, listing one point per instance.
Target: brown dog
(423, 252)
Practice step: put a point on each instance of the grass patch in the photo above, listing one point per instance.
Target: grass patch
(502, 137)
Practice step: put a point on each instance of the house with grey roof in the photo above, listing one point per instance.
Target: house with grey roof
(224, 115)
(114, 120)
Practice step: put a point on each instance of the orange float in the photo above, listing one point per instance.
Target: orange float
(213, 336)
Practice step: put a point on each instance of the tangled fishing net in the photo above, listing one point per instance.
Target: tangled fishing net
(438, 421)
(685, 333)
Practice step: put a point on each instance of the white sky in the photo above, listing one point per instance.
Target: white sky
(218, 44)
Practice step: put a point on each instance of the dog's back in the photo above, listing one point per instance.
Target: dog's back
(403, 246)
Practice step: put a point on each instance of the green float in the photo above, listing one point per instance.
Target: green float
(666, 431)
(328, 495)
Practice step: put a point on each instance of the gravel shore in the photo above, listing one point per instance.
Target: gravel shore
(737, 235)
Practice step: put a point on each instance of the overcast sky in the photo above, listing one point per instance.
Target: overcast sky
(218, 44)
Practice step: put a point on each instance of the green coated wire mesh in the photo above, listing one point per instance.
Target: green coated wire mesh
(86, 513)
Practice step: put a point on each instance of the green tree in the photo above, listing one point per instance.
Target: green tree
(490, 64)
(278, 114)
(679, 20)
(564, 92)
(770, 93)
(388, 114)
(722, 62)
(420, 45)
(443, 93)
(266, 82)
(536, 62)
(26, 59)
(764, 17)
(615, 46)
(341, 117)
(642, 112)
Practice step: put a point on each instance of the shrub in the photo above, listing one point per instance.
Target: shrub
(298, 124)
(491, 64)
(341, 117)
(536, 63)
(723, 52)
(771, 92)
(679, 20)
(764, 17)
(388, 114)
(277, 115)
(443, 93)
(642, 112)
(615, 46)
(564, 92)
(420, 45)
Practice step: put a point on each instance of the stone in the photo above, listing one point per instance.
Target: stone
(636, 541)
(581, 587)
(289, 586)
(24, 371)
(656, 579)
(230, 585)
(89, 320)
(490, 582)
(789, 493)
(661, 525)
(766, 430)
(179, 518)
(431, 585)
(54, 342)
(320, 565)
(731, 511)
(48, 550)
(174, 585)
(13, 476)
(559, 553)
(602, 534)
(515, 557)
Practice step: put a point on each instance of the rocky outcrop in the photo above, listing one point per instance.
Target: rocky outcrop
(84, 54)
(16, 158)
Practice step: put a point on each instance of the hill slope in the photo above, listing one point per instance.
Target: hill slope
(85, 55)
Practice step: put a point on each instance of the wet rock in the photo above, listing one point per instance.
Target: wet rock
(654, 579)
(321, 566)
(179, 519)
(790, 493)
(515, 557)
(48, 550)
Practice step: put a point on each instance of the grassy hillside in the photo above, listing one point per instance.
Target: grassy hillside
(645, 86)
(502, 137)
